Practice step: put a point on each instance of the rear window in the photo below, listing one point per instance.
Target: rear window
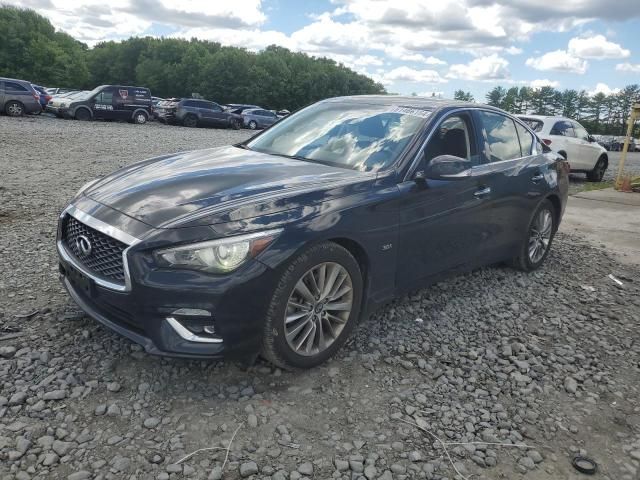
(533, 123)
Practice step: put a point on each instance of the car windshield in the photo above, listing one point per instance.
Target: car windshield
(359, 136)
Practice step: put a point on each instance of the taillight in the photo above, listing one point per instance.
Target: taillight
(546, 141)
(37, 97)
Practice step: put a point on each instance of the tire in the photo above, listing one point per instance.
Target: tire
(83, 115)
(313, 319)
(253, 125)
(140, 118)
(190, 121)
(235, 124)
(597, 173)
(525, 261)
(14, 109)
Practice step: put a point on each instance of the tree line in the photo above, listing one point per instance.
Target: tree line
(600, 113)
(275, 77)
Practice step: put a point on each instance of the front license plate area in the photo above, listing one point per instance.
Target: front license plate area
(80, 280)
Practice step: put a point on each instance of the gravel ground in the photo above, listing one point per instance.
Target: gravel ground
(549, 360)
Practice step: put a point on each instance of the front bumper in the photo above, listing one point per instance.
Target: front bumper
(148, 311)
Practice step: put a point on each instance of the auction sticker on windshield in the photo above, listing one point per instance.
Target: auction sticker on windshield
(416, 112)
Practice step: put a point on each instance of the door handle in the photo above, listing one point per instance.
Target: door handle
(483, 192)
(537, 178)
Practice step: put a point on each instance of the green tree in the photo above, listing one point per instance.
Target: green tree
(464, 96)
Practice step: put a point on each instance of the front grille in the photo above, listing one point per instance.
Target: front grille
(105, 257)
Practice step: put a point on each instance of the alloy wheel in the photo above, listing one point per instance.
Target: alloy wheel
(540, 235)
(140, 118)
(14, 109)
(318, 308)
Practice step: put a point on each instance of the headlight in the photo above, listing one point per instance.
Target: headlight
(87, 185)
(217, 256)
(63, 105)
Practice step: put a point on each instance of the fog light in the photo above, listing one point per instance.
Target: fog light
(211, 329)
(188, 335)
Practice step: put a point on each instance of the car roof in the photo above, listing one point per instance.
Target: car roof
(543, 117)
(15, 80)
(405, 100)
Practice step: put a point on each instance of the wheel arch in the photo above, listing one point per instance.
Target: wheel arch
(562, 153)
(361, 256)
(557, 207)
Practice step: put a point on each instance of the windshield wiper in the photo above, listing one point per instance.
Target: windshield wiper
(242, 146)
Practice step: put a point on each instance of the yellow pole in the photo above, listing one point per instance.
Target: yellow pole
(635, 111)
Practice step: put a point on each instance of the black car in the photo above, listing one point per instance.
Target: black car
(111, 102)
(280, 244)
(192, 112)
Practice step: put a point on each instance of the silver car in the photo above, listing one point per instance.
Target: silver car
(18, 97)
(257, 118)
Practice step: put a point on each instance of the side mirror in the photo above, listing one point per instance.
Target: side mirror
(446, 167)
(591, 139)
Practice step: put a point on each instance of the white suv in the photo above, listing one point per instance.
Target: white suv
(571, 140)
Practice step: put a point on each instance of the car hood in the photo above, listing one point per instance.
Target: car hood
(219, 185)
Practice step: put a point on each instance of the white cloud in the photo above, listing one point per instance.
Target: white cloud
(596, 47)
(628, 67)
(603, 88)
(490, 67)
(408, 74)
(559, 61)
(92, 21)
(539, 83)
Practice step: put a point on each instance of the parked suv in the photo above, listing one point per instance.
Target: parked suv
(18, 97)
(111, 102)
(571, 140)
(258, 118)
(192, 112)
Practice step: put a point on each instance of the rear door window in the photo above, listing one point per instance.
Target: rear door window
(526, 140)
(563, 129)
(500, 136)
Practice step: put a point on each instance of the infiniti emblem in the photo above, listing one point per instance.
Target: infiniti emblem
(84, 245)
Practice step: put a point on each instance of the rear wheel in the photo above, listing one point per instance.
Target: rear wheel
(14, 109)
(190, 121)
(235, 124)
(83, 114)
(140, 118)
(253, 125)
(537, 243)
(314, 308)
(597, 173)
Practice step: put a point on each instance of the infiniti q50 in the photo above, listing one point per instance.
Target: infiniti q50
(280, 244)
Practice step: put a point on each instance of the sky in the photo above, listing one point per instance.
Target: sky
(410, 46)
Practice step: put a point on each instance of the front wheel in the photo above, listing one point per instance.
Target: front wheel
(537, 243)
(235, 124)
(597, 173)
(314, 307)
(83, 114)
(253, 125)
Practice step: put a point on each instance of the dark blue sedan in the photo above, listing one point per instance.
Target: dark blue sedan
(279, 245)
